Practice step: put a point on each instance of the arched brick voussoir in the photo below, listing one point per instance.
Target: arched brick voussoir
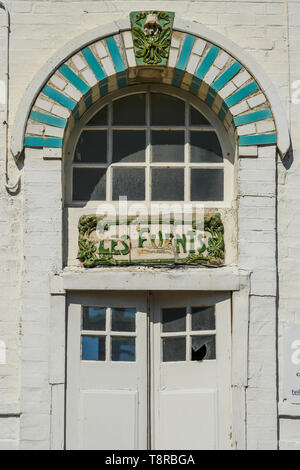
(195, 64)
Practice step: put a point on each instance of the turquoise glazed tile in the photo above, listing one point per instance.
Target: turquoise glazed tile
(47, 119)
(115, 54)
(43, 142)
(59, 97)
(226, 76)
(259, 139)
(185, 52)
(207, 62)
(74, 79)
(241, 94)
(252, 117)
(183, 59)
(93, 63)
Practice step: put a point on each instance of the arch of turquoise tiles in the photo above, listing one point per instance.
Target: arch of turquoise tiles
(47, 127)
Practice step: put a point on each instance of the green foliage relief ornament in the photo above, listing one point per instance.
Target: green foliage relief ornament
(92, 252)
(152, 33)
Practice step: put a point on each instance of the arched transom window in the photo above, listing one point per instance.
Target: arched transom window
(149, 146)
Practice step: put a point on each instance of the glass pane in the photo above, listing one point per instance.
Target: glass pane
(174, 319)
(198, 118)
(203, 318)
(130, 110)
(93, 348)
(167, 146)
(207, 185)
(205, 147)
(94, 318)
(122, 349)
(167, 184)
(89, 184)
(99, 119)
(129, 182)
(173, 349)
(167, 110)
(203, 348)
(123, 319)
(129, 146)
(91, 147)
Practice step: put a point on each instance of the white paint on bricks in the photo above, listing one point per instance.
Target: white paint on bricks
(256, 100)
(79, 62)
(221, 60)
(2, 92)
(199, 47)
(2, 352)
(227, 90)
(102, 52)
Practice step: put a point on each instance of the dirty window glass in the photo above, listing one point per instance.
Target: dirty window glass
(148, 146)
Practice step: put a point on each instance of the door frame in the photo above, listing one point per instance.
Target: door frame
(229, 280)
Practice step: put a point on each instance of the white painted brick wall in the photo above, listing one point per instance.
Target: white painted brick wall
(39, 29)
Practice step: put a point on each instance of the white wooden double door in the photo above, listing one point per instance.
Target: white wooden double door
(148, 371)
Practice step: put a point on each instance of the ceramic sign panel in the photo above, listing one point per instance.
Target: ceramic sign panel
(150, 241)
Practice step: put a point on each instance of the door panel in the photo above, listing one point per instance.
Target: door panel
(149, 371)
(107, 398)
(191, 399)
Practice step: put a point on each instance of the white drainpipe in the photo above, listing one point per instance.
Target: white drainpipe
(6, 98)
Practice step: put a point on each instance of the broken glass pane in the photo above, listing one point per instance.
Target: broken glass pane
(203, 348)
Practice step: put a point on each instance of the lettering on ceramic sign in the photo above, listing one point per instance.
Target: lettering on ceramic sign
(150, 242)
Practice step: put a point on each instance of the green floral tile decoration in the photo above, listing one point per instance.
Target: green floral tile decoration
(152, 33)
(92, 253)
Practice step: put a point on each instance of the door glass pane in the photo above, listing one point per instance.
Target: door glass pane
(129, 146)
(129, 182)
(203, 318)
(89, 184)
(203, 348)
(122, 349)
(197, 119)
(130, 110)
(167, 146)
(173, 319)
(167, 184)
(205, 147)
(174, 349)
(123, 319)
(207, 185)
(100, 118)
(167, 110)
(94, 318)
(91, 147)
(93, 348)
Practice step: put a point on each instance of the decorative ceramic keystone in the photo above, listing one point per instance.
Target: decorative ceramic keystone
(152, 33)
